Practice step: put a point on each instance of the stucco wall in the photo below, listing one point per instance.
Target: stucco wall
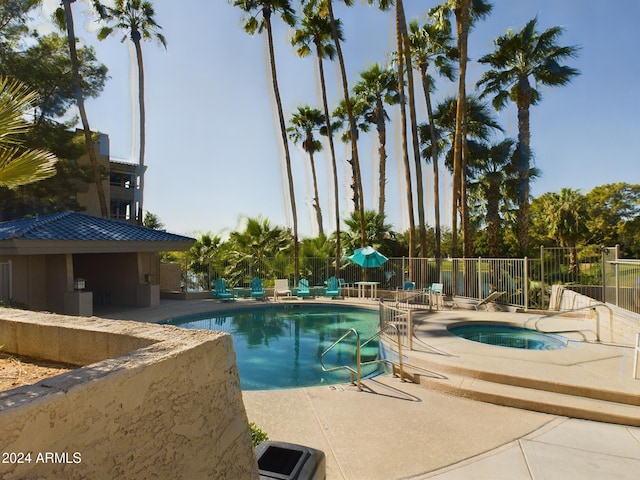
(170, 406)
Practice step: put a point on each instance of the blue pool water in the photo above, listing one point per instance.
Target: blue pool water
(508, 336)
(280, 346)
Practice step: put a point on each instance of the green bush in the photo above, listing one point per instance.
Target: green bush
(257, 435)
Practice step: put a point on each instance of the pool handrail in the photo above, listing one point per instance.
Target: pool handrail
(358, 371)
(359, 364)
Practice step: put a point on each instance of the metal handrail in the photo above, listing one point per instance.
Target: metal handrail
(588, 307)
(359, 364)
(358, 371)
(635, 357)
(384, 360)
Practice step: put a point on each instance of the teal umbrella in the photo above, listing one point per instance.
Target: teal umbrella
(368, 257)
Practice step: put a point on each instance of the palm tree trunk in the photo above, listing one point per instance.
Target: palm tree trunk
(523, 152)
(316, 199)
(403, 128)
(462, 29)
(77, 84)
(285, 143)
(352, 123)
(434, 159)
(142, 115)
(414, 130)
(336, 195)
(381, 127)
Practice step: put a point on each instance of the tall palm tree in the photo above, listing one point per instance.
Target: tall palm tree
(303, 123)
(480, 121)
(316, 29)
(64, 17)
(326, 8)
(19, 165)
(492, 182)
(519, 57)
(377, 87)
(136, 18)
(431, 45)
(466, 12)
(258, 19)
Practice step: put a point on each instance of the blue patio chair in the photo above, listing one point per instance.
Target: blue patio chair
(303, 288)
(409, 285)
(344, 285)
(257, 291)
(220, 291)
(333, 288)
(435, 292)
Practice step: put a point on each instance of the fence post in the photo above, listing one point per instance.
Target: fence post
(526, 284)
(543, 291)
(480, 293)
(616, 269)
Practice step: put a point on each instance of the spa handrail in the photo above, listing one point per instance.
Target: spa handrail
(587, 307)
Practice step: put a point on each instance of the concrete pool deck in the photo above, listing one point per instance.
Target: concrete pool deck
(400, 430)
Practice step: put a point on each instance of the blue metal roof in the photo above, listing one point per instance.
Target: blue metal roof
(79, 226)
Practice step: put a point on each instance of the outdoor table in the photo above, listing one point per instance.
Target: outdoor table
(241, 292)
(362, 287)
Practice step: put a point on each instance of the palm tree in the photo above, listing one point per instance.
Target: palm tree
(316, 29)
(566, 213)
(432, 45)
(466, 12)
(480, 125)
(19, 165)
(136, 18)
(517, 58)
(303, 123)
(377, 87)
(326, 8)
(377, 230)
(493, 181)
(64, 16)
(264, 9)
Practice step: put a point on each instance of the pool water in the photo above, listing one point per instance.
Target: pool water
(280, 346)
(509, 336)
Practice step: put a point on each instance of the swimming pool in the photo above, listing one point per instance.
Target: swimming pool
(279, 346)
(502, 335)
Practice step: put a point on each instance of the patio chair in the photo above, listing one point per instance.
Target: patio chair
(484, 302)
(257, 291)
(344, 285)
(303, 289)
(220, 291)
(281, 288)
(409, 285)
(435, 294)
(333, 288)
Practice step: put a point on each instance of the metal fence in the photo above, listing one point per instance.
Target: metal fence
(526, 281)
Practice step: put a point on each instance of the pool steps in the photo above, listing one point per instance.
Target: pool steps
(612, 405)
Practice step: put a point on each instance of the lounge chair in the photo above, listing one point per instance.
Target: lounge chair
(333, 288)
(257, 291)
(303, 289)
(484, 302)
(220, 291)
(281, 288)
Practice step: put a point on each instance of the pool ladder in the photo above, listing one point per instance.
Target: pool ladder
(356, 374)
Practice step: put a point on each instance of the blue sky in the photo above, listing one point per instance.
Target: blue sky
(213, 149)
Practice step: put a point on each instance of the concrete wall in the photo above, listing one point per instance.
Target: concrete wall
(151, 401)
